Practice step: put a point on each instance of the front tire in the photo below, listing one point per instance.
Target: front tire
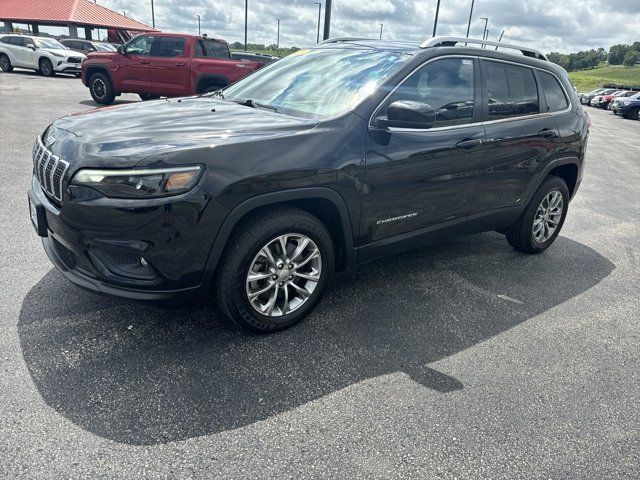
(275, 269)
(46, 67)
(633, 114)
(541, 222)
(101, 89)
(5, 63)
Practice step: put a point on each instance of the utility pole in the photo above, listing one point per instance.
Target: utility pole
(500, 39)
(278, 37)
(484, 32)
(246, 11)
(319, 13)
(381, 31)
(470, 15)
(198, 24)
(435, 22)
(153, 16)
(327, 19)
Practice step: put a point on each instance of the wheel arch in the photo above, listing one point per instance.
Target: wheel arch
(98, 68)
(206, 80)
(569, 173)
(324, 203)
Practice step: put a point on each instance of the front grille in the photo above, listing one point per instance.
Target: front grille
(74, 60)
(49, 170)
(70, 259)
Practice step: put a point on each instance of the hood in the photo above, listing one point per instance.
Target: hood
(64, 52)
(124, 135)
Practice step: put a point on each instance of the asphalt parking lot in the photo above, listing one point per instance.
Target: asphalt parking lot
(462, 360)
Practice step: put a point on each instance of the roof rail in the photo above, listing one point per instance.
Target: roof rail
(342, 39)
(451, 42)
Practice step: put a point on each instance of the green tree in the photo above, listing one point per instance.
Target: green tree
(617, 53)
(631, 58)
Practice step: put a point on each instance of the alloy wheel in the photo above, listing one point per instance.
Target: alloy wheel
(99, 88)
(548, 217)
(283, 275)
(4, 63)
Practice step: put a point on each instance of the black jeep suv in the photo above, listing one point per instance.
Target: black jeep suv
(330, 157)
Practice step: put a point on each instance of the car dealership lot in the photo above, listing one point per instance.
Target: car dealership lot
(466, 359)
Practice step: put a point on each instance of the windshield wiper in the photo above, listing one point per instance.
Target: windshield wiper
(218, 93)
(253, 104)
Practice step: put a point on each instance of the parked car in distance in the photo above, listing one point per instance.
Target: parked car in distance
(163, 64)
(625, 94)
(254, 57)
(602, 100)
(585, 98)
(332, 156)
(44, 55)
(87, 46)
(627, 107)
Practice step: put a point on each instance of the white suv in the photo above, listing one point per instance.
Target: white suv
(45, 55)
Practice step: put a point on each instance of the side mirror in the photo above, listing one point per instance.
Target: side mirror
(121, 50)
(408, 114)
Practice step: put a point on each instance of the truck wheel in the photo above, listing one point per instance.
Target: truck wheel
(46, 67)
(5, 63)
(275, 269)
(101, 89)
(147, 96)
(541, 222)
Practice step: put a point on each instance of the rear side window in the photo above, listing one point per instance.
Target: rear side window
(168, 47)
(446, 85)
(553, 93)
(512, 91)
(212, 49)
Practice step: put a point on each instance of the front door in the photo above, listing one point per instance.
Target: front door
(133, 68)
(419, 183)
(168, 66)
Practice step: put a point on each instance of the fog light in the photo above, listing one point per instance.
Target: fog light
(143, 262)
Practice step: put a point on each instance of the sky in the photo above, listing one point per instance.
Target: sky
(547, 25)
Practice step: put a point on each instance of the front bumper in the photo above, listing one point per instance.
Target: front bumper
(98, 243)
(65, 67)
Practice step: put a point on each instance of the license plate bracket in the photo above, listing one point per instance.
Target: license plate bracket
(38, 217)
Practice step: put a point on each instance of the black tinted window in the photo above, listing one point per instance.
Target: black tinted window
(6, 40)
(512, 91)
(167, 47)
(212, 48)
(553, 93)
(446, 85)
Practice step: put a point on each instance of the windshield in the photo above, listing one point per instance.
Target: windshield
(104, 47)
(49, 43)
(317, 83)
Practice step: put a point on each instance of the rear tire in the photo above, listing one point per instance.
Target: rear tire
(541, 222)
(101, 89)
(46, 67)
(287, 296)
(213, 88)
(633, 114)
(5, 63)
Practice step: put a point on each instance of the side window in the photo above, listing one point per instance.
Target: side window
(211, 49)
(140, 45)
(553, 93)
(6, 40)
(168, 47)
(445, 85)
(512, 91)
(27, 41)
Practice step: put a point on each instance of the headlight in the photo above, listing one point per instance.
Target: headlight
(139, 183)
(626, 102)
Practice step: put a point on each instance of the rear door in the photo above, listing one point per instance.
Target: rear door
(168, 66)
(520, 136)
(133, 67)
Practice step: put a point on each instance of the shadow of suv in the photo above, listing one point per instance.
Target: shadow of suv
(329, 157)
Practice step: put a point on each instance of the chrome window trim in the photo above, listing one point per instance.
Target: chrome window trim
(488, 122)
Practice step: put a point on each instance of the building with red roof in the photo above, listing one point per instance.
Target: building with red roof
(71, 14)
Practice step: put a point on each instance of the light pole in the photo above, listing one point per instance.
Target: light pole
(153, 16)
(500, 39)
(246, 11)
(435, 22)
(327, 19)
(381, 31)
(278, 37)
(319, 13)
(484, 32)
(470, 15)
(198, 24)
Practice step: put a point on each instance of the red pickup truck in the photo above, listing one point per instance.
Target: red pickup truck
(163, 64)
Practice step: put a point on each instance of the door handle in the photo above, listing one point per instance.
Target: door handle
(468, 143)
(180, 64)
(548, 133)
